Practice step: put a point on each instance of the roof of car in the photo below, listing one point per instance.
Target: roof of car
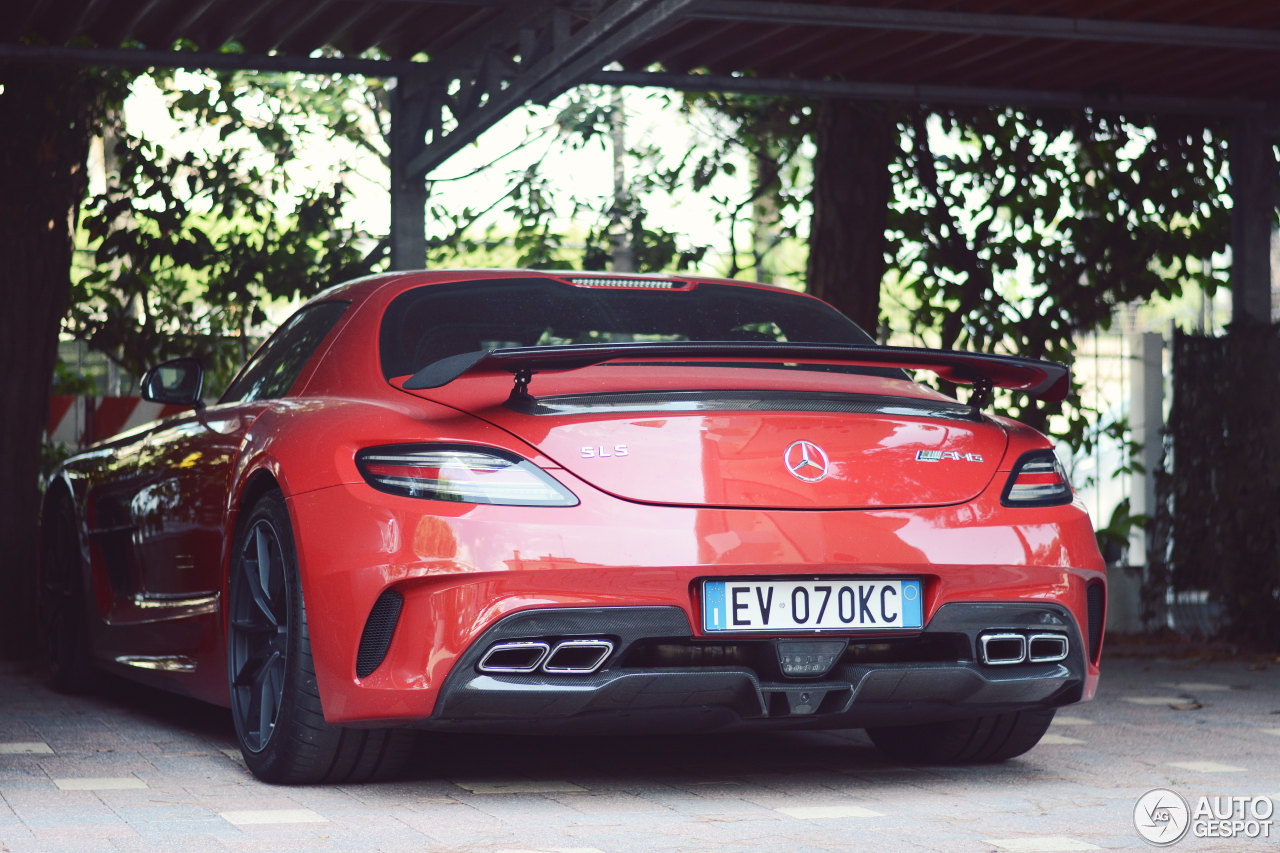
(397, 281)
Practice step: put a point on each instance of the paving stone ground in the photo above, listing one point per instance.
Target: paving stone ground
(129, 769)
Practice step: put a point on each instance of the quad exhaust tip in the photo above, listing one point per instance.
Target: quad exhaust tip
(514, 657)
(580, 657)
(1046, 648)
(1005, 649)
(571, 657)
(1002, 649)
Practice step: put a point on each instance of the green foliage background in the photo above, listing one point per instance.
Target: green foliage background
(1010, 231)
(189, 249)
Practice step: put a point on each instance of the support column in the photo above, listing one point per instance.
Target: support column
(1253, 188)
(852, 188)
(620, 246)
(409, 192)
(1146, 420)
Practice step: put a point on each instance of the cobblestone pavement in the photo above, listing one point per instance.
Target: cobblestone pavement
(130, 769)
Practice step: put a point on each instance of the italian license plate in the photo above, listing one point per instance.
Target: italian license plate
(834, 604)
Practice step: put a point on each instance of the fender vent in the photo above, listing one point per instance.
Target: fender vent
(380, 627)
(1096, 600)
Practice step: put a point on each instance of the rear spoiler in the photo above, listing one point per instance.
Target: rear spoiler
(1046, 380)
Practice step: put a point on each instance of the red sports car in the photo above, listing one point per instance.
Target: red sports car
(569, 502)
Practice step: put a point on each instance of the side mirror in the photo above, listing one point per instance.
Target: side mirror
(177, 383)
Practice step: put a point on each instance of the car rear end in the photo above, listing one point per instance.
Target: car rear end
(687, 543)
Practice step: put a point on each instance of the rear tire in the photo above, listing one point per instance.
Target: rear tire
(979, 740)
(62, 609)
(275, 702)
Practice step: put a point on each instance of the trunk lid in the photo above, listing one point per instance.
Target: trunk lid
(775, 439)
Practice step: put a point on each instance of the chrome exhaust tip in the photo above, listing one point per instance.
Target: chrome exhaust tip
(578, 657)
(514, 657)
(1047, 648)
(1002, 649)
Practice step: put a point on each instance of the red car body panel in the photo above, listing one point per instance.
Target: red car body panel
(666, 499)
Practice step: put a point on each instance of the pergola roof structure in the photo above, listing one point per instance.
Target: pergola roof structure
(463, 64)
(1152, 55)
(1162, 48)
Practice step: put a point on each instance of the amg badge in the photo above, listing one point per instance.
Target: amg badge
(950, 455)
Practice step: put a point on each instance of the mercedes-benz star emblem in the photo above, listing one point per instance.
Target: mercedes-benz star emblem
(806, 461)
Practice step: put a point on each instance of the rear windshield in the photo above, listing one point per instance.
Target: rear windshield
(429, 323)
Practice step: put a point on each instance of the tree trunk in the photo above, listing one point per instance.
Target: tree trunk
(852, 188)
(766, 218)
(44, 112)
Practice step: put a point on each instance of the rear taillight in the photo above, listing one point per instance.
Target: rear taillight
(1038, 479)
(460, 473)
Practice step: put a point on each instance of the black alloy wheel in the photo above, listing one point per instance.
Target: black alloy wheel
(259, 633)
(275, 703)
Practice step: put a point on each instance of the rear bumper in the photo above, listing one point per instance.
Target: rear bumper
(876, 683)
(482, 573)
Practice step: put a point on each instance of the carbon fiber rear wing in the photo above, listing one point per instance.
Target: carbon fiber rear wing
(1046, 380)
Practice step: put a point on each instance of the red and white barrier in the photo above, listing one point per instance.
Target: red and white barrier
(84, 420)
